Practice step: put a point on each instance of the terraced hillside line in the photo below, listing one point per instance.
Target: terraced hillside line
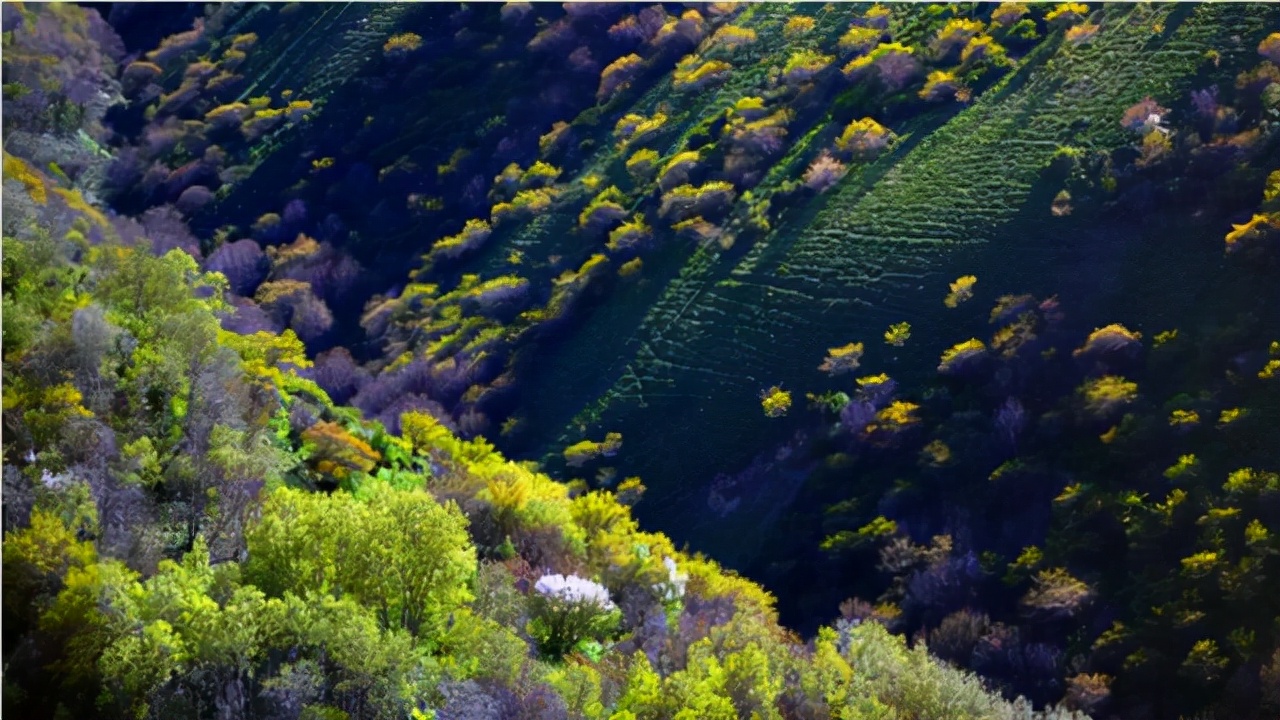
(610, 337)
(343, 36)
(685, 115)
(961, 182)
(608, 334)
(868, 258)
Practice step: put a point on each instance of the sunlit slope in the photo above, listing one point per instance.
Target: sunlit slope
(879, 251)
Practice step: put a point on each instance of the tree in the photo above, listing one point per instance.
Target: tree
(1056, 595)
(35, 561)
(398, 552)
(338, 453)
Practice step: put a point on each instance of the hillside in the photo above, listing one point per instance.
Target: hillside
(349, 348)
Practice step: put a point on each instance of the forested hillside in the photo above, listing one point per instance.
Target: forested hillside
(435, 361)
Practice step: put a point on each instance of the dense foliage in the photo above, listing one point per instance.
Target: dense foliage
(276, 283)
(1088, 513)
(192, 529)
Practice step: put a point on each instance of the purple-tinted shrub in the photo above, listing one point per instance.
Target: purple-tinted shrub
(137, 76)
(181, 98)
(599, 217)
(651, 20)
(302, 417)
(1110, 349)
(244, 264)
(224, 86)
(335, 275)
(896, 69)
(473, 235)
(193, 199)
(618, 74)
(555, 39)
(941, 85)
(952, 38)
(542, 702)
(124, 171)
(682, 35)
(247, 318)
(943, 587)
(1205, 101)
(382, 391)
(761, 138)
(377, 314)
(269, 229)
(515, 13)
(284, 258)
(856, 415)
(743, 169)
(508, 148)
(311, 318)
(677, 170)
(293, 303)
(331, 229)
(964, 359)
(855, 611)
(12, 17)
(93, 336)
(628, 33)
(1009, 307)
(195, 141)
(294, 214)
(159, 139)
(877, 389)
(337, 373)
(200, 71)
(1034, 668)
(330, 272)
(1009, 422)
(647, 620)
(1041, 667)
(474, 194)
(473, 423)
(1269, 48)
(630, 236)
(67, 54)
(699, 230)
(179, 44)
(687, 201)
(957, 635)
(129, 231)
(215, 156)
(999, 652)
(581, 61)
(167, 229)
(451, 377)
(390, 415)
(698, 617)
(823, 173)
(498, 298)
(443, 382)
(592, 11)
(470, 699)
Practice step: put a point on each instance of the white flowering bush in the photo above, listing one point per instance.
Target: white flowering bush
(566, 611)
(574, 589)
